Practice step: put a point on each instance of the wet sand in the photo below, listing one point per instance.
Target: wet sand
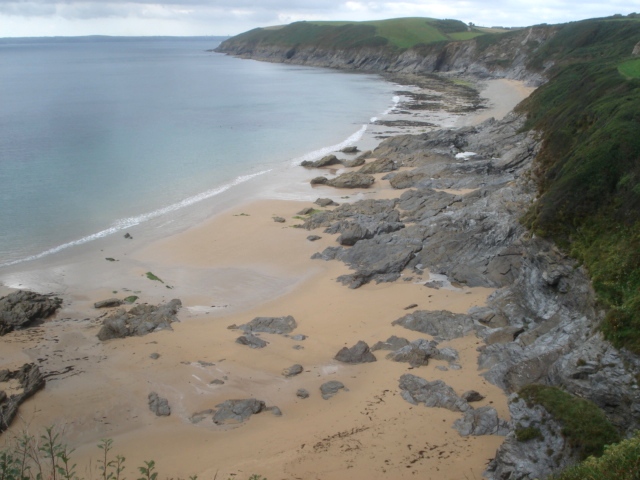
(238, 265)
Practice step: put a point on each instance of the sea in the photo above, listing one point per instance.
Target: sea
(104, 135)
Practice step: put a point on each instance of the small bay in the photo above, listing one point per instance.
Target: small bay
(101, 133)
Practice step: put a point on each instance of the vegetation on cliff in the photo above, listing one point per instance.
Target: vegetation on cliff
(395, 34)
(589, 166)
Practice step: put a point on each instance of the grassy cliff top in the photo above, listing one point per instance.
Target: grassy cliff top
(398, 33)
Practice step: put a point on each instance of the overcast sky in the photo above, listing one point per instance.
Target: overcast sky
(229, 17)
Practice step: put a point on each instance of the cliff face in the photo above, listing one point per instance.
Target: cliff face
(504, 56)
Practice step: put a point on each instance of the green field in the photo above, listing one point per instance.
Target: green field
(630, 69)
(397, 33)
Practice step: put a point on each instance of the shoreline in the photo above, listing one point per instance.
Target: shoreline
(252, 253)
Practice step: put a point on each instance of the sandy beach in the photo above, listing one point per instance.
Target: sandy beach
(237, 265)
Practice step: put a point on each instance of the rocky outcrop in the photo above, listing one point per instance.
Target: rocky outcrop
(237, 411)
(416, 353)
(30, 380)
(327, 161)
(22, 308)
(359, 353)
(481, 421)
(440, 324)
(346, 180)
(140, 320)
(506, 57)
(329, 389)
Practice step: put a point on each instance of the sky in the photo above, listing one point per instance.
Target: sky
(29, 18)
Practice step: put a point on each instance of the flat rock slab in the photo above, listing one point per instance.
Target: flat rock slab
(278, 325)
(108, 303)
(21, 308)
(251, 341)
(329, 389)
(237, 411)
(417, 390)
(440, 324)
(346, 180)
(359, 353)
(140, 320)
(417, 353)
(159, 405)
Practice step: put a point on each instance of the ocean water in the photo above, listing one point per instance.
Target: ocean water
(98, 135)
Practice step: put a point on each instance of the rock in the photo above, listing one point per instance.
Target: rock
(356, 162)
(346, 180)
(411, 307)
(636, 50)
(323, 162)
(440, 324)
(279, 219)
(30, 380)
(352, 149)
(128, 236)
(306, 211)
(109, 303)
(299, 337)
(325, 202)
(251, 341)
(313, 238)
(237, 411)
(503, 335)
(216, 381)
(154, 356)
(417, 353)
(391, 343)
(140, 320)
(22, 308)
(293, 370)
(329, 389)
(278, 325)
(359, 353)
(379, 166)
(448, 354)
(159, 405)
(275, 411)
(433, 394)
(302, 393)
(352, 233)
(472, 396)
(481, 421)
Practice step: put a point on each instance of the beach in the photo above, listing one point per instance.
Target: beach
(237, 265)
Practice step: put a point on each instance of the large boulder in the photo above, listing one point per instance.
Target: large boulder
(323, 162)
(22, 308)
(346, 180)
(237, 411)
(359, 353)
(140, 320)
(380, 165)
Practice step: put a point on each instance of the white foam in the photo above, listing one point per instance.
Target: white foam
(129, 222)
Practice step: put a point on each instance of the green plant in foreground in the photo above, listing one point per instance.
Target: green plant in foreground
(618, 462)
(151, 276)
(584, 425)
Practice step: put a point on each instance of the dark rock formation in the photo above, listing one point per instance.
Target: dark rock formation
(251, 341)
(359, 353)
(108, 303)
(417, 390)
(351, 149)
(279, 219)
(30, 379)
(21, 309)
(472, 396)
(325, 202)
(159, 405)
(277, 325)
(346, 180)
(313, 238)
(323, 162)
(140, 320)
(329, 389)
(237, 411)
